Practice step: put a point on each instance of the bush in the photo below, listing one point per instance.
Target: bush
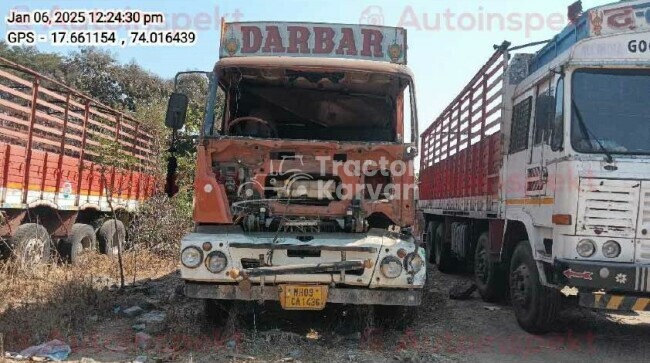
(160, 223)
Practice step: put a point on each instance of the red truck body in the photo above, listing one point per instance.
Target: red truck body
(50, 168)
(461, 150)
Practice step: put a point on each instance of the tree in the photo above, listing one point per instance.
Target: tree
(48, 64)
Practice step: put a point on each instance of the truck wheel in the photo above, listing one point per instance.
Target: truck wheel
(490, 280)
(106, 236)
(82, 237)
(442, 252)
(536, 306)
(430, 232)
(31, 245)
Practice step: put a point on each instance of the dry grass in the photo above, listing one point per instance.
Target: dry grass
(63, 301)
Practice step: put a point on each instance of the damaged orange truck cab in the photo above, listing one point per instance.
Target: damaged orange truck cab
(304, 187)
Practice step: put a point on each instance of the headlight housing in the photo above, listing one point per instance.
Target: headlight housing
(413, 263)
(191, 257)
(611, 249)
(216, 262)
(586, 248)
(391, 267)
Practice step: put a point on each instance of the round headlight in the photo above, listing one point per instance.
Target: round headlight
(611, 249)
(413, 263)
(586, 248)
(216, 262)
(391, 267)
(191, 257)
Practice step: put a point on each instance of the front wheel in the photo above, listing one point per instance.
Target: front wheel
(536, 306)
(489, 278)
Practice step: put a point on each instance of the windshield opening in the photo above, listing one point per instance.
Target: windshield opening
(610, 111)
(314, 105)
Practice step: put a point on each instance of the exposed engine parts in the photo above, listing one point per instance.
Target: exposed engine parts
(261, 202)
(253, 215)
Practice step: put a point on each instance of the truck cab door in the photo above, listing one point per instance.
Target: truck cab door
(518, 150)
(541, 166)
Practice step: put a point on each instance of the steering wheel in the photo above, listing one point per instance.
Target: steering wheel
(251, 126)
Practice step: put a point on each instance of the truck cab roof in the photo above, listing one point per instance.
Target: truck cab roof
(313, 63)
(605, 20)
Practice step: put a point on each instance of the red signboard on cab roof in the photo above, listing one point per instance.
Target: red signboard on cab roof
(367, 42)
(620, 17)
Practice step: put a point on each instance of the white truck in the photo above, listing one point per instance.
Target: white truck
(538, 176)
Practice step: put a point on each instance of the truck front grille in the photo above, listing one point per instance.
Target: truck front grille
(608, 207)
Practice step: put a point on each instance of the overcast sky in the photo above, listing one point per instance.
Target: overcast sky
(448, 40)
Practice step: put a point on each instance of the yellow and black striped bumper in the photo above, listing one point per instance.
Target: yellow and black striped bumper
(615, 302)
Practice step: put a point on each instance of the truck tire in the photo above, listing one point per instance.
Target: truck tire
(442, 251)
(31, 245)
(106, 235)
(489, 278)
(81, 237)
(536, 306)
(430, 238)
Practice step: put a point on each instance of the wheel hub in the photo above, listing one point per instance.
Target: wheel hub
(520, 286)
(32, 252)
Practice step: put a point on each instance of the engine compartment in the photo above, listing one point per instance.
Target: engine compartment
(309, 192)
(308, 149)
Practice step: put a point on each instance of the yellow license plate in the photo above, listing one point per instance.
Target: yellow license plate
(303, 297)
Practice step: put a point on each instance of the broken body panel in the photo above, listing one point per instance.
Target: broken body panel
(306, 178)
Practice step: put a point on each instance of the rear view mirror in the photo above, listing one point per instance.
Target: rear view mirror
(176, 111)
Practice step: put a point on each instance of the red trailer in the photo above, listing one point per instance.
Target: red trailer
(56, 180)
(461, 150)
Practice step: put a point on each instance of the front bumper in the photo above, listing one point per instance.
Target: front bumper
(347, 259)
(609, 277)
(614, 302)
(609, 286)
(336, 295)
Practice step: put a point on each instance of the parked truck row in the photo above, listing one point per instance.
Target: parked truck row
(534, 176)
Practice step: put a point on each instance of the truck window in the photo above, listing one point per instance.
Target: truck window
(544, 110)
(410, 135)
(610, 111)
(557, 129)
(328, 105)
(520, 125)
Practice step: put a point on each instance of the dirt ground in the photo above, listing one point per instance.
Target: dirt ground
(442, 330)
